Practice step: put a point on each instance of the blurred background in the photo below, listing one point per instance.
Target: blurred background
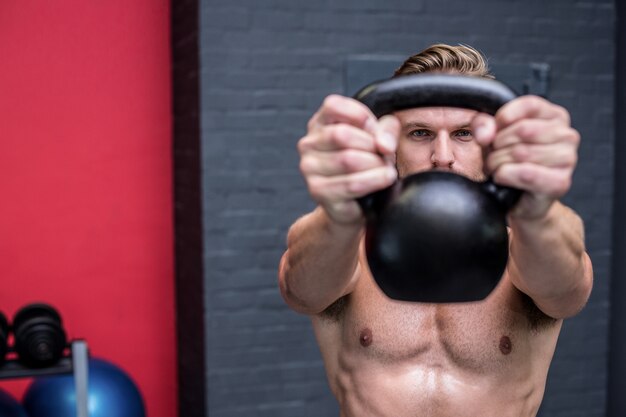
(150, 174)
(86, 178)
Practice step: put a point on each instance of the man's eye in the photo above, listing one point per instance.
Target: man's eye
(419, 133)
(463, 134)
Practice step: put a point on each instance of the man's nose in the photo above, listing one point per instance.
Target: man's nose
(442, 153)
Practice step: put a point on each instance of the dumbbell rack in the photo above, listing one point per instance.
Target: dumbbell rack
(76, 362)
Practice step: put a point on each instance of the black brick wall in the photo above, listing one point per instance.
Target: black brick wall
(265, 66)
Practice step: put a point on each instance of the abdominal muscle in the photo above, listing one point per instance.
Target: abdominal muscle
(434, 390)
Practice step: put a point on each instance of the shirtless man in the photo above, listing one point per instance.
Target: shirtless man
(399, 359)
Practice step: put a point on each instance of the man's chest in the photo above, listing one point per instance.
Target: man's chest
(472, 336)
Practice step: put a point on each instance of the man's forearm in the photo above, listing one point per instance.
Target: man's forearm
(549, 263)
(320, 263)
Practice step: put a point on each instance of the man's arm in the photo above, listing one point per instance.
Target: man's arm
(321, 262)
(346, 154)
(549, 263)
(534, 148)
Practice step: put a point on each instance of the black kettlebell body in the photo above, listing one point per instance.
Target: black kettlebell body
(436, 236)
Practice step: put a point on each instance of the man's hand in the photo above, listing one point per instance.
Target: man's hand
(531, 147)
(347, 153)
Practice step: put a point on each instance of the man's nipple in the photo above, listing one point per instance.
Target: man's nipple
(366, 337)
(505, 345)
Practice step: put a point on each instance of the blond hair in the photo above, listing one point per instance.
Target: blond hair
(447, 59)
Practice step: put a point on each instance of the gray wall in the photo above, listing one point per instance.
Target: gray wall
(265, 67)
(617, 360)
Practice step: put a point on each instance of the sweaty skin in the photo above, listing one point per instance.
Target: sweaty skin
(400, 359)
(391, 358)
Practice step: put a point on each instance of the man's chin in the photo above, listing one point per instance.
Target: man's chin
(478, 177)
(472, 176)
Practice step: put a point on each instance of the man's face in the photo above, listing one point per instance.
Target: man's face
(438, 138)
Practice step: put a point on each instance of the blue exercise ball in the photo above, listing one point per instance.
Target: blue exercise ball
(9, 407)
(111, 393)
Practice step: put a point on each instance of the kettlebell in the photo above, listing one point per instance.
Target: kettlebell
(437, 237)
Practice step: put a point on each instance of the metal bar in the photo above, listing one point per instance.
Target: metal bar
(80, 362)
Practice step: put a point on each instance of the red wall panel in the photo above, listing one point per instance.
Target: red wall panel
(85, 179)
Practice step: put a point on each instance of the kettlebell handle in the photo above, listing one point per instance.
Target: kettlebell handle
(436, 90)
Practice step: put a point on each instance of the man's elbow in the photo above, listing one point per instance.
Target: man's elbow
(586, 283)
(574, 301)
(293, 301)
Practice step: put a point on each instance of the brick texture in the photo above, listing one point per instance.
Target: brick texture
(265, 68)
